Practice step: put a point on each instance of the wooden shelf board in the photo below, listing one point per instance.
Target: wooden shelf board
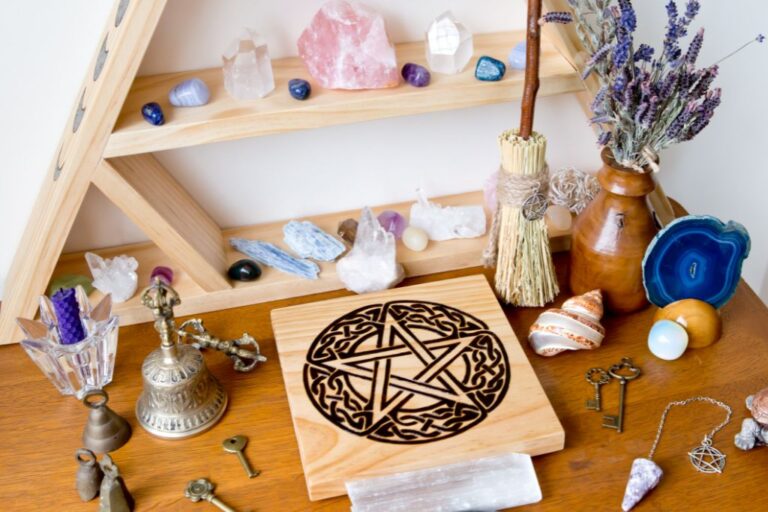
(225, 118)
(275, 285)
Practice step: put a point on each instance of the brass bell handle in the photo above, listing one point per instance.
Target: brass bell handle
(244, 360)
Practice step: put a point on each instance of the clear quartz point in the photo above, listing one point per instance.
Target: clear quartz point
(247, 67)
(449, 45)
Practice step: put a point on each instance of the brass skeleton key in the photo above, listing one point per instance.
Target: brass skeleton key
(617, 422)
(597, 377)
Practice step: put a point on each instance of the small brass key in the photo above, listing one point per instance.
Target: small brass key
(617, 422)
(597, 377)
(236, 445)
(202, 490)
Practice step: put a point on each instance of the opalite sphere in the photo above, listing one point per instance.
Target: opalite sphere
(189, 93)
(700, 320)
(415, 239)
(489, 69)
(417, 76)
(153, 114)
(667, 340)
(516, 57)
(558, 218)
(299, 88)
(393, 222)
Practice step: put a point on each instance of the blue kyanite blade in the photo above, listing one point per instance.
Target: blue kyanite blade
(695, 257)
(273, 256)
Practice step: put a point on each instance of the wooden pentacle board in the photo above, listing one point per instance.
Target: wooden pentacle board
(407, 379)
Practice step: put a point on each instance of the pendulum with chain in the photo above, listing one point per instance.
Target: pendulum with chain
(646, 474)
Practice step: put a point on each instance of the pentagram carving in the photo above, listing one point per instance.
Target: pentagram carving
(406, 372)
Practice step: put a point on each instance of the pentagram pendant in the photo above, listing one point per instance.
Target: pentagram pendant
(706, 458)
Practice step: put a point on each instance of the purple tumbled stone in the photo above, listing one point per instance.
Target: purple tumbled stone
(393, 222)
(164, 273)
(417, 76)
(68, 316)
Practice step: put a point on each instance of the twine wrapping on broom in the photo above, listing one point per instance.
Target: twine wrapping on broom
(517, 191)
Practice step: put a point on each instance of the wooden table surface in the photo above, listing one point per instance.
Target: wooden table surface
(41, 429)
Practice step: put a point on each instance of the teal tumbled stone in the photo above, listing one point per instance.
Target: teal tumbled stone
(244, 270)
(489, 69)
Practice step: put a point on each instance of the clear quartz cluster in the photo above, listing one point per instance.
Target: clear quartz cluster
(447, 222)
(116, 276)
(371, 264)
(449, 45)
(248, 68)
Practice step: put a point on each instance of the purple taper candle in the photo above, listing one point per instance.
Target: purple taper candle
(68, 315)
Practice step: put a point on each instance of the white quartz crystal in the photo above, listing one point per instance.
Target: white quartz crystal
(449, 45)
(116, 276)
(371, 264)
(492, 483)
(447, 222)
(248, 68)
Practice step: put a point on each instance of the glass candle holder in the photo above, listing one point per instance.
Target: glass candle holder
(80, 367)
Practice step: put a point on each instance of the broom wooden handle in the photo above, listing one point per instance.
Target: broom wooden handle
(532, 50)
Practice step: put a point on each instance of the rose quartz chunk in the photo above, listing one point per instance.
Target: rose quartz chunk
(346, 46)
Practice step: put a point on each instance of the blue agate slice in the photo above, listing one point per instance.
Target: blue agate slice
(273, 256)
(695, 257)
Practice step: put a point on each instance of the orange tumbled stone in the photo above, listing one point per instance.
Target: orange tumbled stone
(699, 318)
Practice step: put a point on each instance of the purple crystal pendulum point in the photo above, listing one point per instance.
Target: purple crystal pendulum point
(68, 315)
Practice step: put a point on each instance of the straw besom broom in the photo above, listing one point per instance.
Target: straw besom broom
(518, 243)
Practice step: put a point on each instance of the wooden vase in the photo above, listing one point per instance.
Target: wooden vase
(610, 237)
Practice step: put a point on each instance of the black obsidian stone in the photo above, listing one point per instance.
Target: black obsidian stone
(244, 270)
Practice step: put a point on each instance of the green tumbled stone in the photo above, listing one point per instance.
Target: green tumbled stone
(244, 270)
(70, 281)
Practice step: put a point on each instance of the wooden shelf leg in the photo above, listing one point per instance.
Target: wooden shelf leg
(142, 188)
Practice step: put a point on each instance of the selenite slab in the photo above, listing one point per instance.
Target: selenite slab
(492, 483)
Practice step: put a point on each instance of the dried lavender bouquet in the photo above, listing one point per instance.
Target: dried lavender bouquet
(647, 100)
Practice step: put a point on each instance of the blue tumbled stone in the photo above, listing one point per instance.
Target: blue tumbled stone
(516, 57)
(299, 88)
(695, 257)
(153, 114)
(417, 76)
(189, 93)
(489, 69)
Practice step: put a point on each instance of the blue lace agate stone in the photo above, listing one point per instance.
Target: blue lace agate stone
(695, 257)
(153, 114)
(189, 93)
(309, 241)
(489, 69)
(273, 256)
(517, 56)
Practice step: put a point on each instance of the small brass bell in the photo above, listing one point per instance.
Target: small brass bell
(181, 397)
(105, 431)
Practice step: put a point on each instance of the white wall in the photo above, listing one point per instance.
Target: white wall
(283, 176)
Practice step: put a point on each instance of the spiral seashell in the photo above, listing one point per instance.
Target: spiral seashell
(189, 93)
(759, 407)
(574, 326)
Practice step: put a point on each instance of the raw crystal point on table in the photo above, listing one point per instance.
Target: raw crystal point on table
(449, 45)
(273, 256)
(574, 326)
(346, 46)
(644, 476)
(371, 264)
(447, 222)
(248, 68)
(309, 241)
(115, 275)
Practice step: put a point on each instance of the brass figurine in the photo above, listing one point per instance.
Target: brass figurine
(105, 431)
(114, 494)
(89, 474)
(181, 397)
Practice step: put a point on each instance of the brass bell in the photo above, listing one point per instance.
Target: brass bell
(181, 397)
(105, 431)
